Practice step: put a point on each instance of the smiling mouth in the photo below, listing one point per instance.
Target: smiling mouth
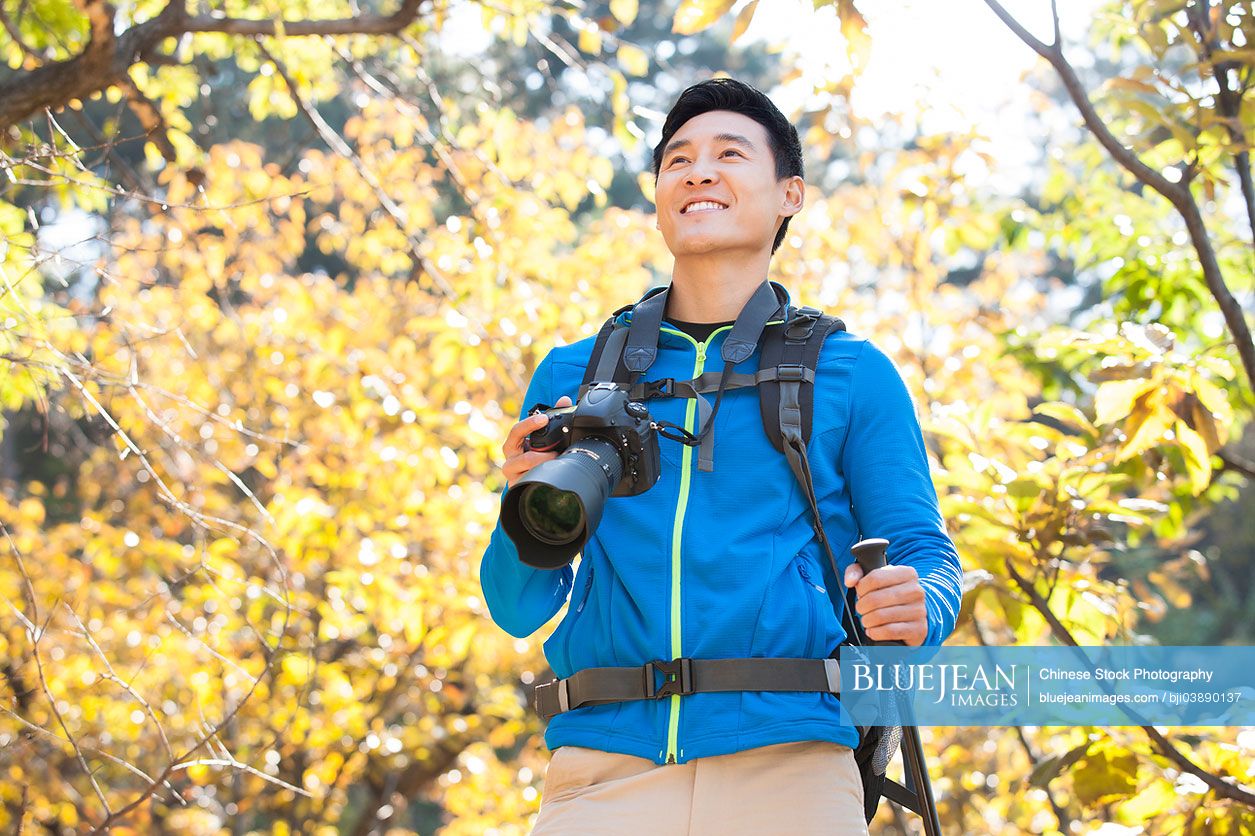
(702, 206)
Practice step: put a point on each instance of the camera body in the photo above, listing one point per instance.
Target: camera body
(607, 446)
(606, 413)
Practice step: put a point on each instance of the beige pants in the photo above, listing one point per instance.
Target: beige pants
(801, 789)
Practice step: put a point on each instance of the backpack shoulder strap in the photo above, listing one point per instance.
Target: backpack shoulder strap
(792, 348)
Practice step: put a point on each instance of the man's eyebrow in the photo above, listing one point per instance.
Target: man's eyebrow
(724, 137)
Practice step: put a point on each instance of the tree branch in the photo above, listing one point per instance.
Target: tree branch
(362, 25)
(1218, 785)
(1228, 102)
(106, 58)
(1230, 461)
(149, 116)
(1178, 194)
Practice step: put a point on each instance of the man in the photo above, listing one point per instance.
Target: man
(724, 563)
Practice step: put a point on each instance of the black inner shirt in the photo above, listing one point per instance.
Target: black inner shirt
(699, 331)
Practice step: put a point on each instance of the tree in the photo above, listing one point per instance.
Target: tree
(241, 576)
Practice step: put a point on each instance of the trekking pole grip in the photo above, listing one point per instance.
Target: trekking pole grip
(870, 555)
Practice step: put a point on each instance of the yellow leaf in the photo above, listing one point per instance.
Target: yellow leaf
(590, 40)
(297, 668)
(1197, 460)
(624, 11)
(645, 181)
(460, 639)
(1214, 399)
(1115, 398)
(1145, 429)
(414, 627)
(1206, 426)
(743, 19)
(695, 15)
(633, 60)
(1066, 413)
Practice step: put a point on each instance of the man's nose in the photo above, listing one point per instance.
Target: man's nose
(700, 172)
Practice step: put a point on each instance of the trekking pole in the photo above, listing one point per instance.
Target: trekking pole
(870, 555)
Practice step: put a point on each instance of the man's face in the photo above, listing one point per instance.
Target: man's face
(717, 188)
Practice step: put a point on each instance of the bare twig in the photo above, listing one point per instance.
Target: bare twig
(97, 753)
(110, 676)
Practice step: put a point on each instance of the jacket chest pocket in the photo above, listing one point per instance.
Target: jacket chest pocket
(816, 596)
(558, 646)
(790, 624)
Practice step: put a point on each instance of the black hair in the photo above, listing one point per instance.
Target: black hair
(738, 97)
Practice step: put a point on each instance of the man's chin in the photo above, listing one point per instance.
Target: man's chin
(706, 245)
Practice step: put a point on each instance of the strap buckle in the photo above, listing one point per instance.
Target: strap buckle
(679, 673)
(662, 388)
(790, 372)
(799, 328)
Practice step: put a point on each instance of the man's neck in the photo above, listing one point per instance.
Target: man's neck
(713, 290)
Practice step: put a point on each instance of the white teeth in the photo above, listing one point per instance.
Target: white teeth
(702, 204)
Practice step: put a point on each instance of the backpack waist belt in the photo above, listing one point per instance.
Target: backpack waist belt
(596, 686)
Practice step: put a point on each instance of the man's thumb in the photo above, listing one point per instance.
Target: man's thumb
(853, 574)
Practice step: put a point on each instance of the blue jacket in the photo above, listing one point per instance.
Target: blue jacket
(725, 564)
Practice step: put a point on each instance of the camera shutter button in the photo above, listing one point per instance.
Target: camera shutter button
(636, 410)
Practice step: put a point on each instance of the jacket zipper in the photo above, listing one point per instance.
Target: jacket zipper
(588, 585)
(811, 607)
(677, 534)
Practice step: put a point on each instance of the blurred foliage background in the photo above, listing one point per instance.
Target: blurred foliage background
(273, 277)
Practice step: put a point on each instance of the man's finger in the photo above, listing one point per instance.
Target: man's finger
(905, 613)
(886, 576)
(912, 633)
(563, 401)
(523, 462)
(514, 440)
(891, 596)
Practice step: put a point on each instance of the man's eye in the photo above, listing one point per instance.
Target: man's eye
(675, 160)
(733, 151)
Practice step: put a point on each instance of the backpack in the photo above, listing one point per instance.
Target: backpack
(791, 341)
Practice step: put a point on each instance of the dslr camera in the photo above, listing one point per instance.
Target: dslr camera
(607, 447)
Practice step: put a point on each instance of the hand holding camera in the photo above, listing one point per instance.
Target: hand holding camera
(520, 456)
(570, 462)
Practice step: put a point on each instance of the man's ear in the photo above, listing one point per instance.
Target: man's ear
(794, 196)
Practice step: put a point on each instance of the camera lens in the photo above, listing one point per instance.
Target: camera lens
(553, 509)
(552, 516)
